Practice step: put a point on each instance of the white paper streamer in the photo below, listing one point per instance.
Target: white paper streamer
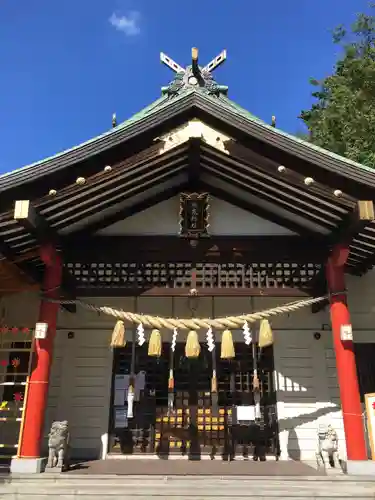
(247, 333)
(210, 340)
(141, 334)
(174, 340)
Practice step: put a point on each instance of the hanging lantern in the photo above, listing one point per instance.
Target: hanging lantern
(265, 334)
(227, 346)
(192, 346)
(154, 345)
(118, 335)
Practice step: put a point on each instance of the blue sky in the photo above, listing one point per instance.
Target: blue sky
(66, 66)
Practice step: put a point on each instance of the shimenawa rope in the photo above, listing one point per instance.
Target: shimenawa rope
(194, 323)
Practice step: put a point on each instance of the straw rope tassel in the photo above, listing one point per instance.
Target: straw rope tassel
(192, 346)
(154, 345)
(118, 335)
(227, 346)
(265, 334)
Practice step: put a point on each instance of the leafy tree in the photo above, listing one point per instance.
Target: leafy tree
(342, 119)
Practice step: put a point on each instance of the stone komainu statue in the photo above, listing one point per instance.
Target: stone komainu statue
(327, 447)
(58, 445)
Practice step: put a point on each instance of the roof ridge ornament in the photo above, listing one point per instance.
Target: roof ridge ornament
(194, 75)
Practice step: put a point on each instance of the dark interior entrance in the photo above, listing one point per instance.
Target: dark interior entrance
(192, 428)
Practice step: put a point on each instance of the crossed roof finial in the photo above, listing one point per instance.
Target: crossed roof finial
(194, 75)
(211, 66)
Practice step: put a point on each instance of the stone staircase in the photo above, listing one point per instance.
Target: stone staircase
(106, 486)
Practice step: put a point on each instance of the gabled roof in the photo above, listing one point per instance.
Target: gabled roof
(193, 137)
(221, 108)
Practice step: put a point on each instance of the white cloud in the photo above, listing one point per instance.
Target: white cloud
(128, 24)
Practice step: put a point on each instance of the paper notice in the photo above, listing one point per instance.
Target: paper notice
(120, 396)
(246, 413)
(121, 419)
(121, 382)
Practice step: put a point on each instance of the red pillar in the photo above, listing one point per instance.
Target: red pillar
(32, 433)
(345, 358)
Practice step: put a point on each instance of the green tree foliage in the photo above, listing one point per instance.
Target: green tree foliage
(342, 119)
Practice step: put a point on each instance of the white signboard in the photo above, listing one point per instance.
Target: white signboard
(121, 382)
(121, 419)
(41, 330)
(119, 397)
(245, 413)
(370, 416)
(346, 332)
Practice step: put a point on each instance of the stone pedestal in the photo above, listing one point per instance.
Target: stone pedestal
(360, 467)
(28, 465)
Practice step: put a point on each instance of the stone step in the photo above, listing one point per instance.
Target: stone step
(184, 488)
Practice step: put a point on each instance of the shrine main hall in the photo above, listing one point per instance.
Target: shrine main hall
(194, 283)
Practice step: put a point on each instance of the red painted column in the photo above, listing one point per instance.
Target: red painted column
(32, 434)
(345, 358)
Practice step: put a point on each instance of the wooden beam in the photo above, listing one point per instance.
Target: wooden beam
(294, 179)
(362, 214)
(295, 204)
(38, 227)
(127, 212)
(340, 241)
(143, 249)
(12, 278)
(194, 168)
(34, 223)
(260, 211)
(29, 270)
(185, 292)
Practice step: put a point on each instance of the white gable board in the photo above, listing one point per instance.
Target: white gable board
(225, 219)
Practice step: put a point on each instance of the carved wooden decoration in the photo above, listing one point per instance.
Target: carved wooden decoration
(194, 215)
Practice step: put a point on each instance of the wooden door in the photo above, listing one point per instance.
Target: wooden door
(181, 431)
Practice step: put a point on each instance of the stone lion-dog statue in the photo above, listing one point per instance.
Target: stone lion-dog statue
(58, 445)
(327, 447)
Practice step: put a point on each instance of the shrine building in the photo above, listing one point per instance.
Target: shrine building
(198, 216)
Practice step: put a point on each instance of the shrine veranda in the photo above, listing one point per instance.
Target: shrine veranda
(193, 208)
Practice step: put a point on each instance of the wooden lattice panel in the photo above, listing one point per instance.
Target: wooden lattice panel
(178, 275)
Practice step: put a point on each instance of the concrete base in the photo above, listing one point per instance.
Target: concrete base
(27, 465)
(360, 467)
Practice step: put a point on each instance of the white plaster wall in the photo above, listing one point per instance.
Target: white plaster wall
(303, 400)
(361, 297)
(225, 219)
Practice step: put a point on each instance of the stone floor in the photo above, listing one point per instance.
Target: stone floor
(194, 468)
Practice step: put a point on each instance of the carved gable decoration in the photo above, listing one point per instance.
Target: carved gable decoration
(194, 215)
